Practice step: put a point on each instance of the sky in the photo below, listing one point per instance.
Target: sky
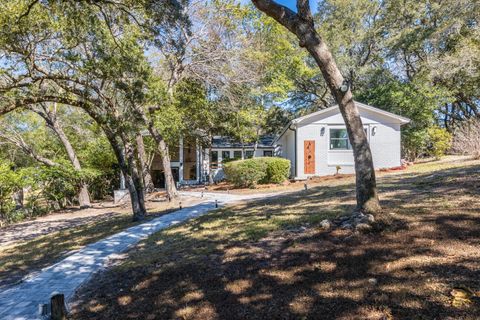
(292, 4)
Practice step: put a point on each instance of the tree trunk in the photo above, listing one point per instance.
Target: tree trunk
(126, 160)
(50, 118)
(18, 197)
(142, 159)
(170, 187)
(302, 25)
(162, 148)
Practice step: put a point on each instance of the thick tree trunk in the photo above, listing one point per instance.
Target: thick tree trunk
(302, 26)
(142, 159)
(162, 148)
(170, 187)
(126, 160)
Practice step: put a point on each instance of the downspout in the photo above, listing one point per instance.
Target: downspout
(295, 148)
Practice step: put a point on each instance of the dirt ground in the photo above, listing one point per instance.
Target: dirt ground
(270, 259)
(29, 246)
(73, 217)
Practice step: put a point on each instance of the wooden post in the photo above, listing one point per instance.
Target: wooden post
(59, 312)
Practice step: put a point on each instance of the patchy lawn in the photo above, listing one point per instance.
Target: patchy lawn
(44, 241)
(270, 260)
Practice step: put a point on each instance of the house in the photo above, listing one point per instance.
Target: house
(317, 144)
(191, 163)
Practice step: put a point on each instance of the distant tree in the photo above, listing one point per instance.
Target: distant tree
(466, 138)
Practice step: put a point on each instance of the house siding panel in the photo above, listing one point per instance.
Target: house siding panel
(385, 144)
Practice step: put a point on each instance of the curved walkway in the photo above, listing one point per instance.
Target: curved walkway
(22, 301)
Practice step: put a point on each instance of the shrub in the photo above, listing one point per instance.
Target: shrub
(278, 170)
(250, 172)
(440, 141)
(245, 173)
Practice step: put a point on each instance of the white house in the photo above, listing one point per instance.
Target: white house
(317, 143)
(190, 162)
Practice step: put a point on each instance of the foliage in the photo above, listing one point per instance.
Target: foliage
(59, 185)
(440, 141)
(245, 173)
(250, 172)
(278, 170)
(10, 182)
(412, 100)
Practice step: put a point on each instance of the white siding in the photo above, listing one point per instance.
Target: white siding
(285, 148)
(385, 144)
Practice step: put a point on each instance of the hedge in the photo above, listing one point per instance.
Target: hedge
(250, 172)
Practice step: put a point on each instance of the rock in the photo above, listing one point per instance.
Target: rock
(367, 219)
(372, 281)
(370, 218)
(325, 224)
(363, 227)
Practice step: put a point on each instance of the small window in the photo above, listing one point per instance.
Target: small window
(214, 159)
(225, 155)
(214, 156)
(248, 154)
(237, 154)
(339, 139)
(267, 153)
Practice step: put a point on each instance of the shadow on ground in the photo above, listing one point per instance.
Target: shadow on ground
(269, 260)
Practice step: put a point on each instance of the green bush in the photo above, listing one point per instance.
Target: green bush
(250, 172)
(278, 170)
(245, 173)
(440, 141)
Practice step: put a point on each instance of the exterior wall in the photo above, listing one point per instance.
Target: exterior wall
(385, 144)
(285, 148)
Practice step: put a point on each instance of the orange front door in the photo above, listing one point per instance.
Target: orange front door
(309, 156)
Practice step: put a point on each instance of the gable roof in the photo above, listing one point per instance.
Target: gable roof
(397, 118)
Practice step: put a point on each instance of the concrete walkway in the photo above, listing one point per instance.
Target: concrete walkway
(22, 301)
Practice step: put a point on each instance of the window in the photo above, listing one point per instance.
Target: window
(248, 154)
(339, 140)
(214, 159)
(237, 154)
(189, 162)
(225, 155)
(267, 153)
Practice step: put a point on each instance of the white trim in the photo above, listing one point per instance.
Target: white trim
(402, 120)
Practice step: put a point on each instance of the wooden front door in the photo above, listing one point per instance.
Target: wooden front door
(309, 156)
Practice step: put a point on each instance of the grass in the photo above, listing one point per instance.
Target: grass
(269, 259)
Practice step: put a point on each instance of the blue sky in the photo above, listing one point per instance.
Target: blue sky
(292, 4)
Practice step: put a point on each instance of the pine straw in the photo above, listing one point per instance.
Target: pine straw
(270, 260)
